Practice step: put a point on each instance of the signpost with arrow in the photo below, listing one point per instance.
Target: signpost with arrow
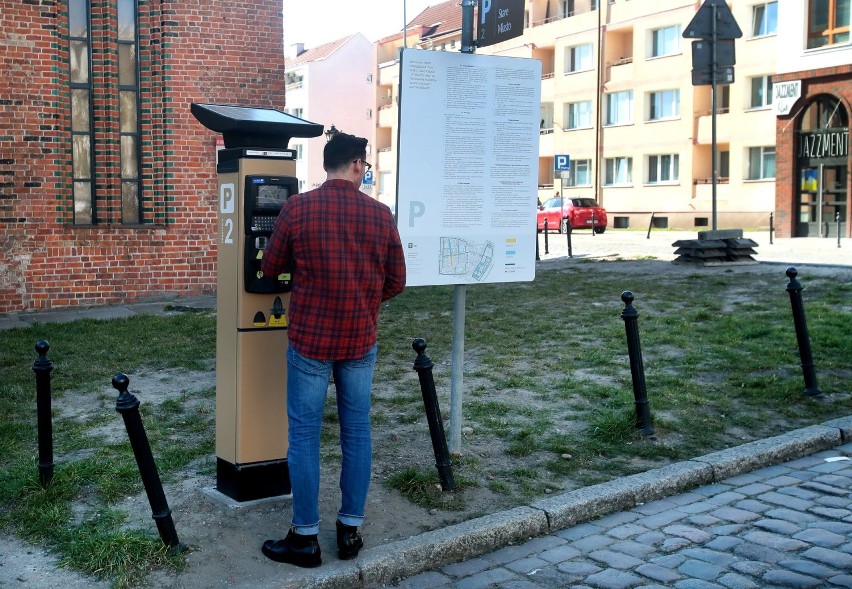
(714, 29)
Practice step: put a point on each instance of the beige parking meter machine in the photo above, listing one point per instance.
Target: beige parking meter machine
(257, 173)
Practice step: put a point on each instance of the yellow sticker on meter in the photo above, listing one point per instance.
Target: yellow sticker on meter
(280, 321)
(284, 277)
(259, 254)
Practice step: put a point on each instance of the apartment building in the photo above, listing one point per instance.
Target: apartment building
(618, 99)
(333, 85)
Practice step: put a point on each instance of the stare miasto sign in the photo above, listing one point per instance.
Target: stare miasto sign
(499, 20)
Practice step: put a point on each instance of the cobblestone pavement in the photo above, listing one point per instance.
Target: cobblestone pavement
(788, 525)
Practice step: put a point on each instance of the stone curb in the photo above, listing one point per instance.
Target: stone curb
(404, 558)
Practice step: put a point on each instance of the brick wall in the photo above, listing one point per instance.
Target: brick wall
(217, 51)
(835, 81)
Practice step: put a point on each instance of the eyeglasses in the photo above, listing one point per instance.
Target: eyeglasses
(367, 165)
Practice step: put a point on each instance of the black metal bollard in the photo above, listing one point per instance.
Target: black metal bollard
(42, 368)
(637, 369)
(423, 366)
(650, 224)
(771, 226)
(537, 256)
(794, 288)
(837, 219)
(546, 249)
(568, 232)
(128, 405)
(593, 223)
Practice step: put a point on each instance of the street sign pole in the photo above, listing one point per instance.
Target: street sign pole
(713, 106)
(705, 25)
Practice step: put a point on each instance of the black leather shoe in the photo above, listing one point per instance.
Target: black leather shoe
(349, 541)
(302, 551)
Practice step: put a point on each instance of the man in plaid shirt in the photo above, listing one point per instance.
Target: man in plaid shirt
(347, 259)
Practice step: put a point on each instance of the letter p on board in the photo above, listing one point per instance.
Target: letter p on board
(227, 198)
(415, 209)
(561, 162)
(484, 8)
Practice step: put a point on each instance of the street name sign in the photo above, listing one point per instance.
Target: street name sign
(702, 53)
(500, 20)
(704, 77)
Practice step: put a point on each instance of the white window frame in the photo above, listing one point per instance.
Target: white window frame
(762, 158)
(618, 171)
(580, 175)
(619, 108)
(578, 115)
(579, 58)
(760, 92)
(664, 41)
(764, 19)
(663, 168)
(663, 105)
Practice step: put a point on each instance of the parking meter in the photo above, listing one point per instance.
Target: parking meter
(256, 175)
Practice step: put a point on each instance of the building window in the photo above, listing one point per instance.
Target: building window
(578, 115)
(298, 148)
(567, 8)
(761, 92)
(619, 108)
(828, 22)
(580, 173)
(663, 168)
(764, 19)
(578, 59)
(82, 155)
(664, 104)
(128, 90)
(665, 41)
(619, 171)
(125, 89)
(761, 163)
(724, 164)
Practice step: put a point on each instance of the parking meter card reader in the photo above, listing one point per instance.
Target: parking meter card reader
(264, 197)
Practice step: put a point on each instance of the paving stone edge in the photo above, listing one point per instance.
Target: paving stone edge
(404, 558)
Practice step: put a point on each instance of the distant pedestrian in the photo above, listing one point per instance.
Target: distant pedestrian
(348, 259)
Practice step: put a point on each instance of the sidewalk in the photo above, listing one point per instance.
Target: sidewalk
(785, 525)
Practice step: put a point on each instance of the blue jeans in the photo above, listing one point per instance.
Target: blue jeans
(307, 385)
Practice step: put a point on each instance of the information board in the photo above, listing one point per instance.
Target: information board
(468, 167)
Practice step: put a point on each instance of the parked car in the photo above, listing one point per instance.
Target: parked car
(581, 213)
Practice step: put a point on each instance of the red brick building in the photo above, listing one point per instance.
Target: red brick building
(813, 180)
(107, 181)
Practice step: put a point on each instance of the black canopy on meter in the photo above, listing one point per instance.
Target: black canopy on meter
(249, 126)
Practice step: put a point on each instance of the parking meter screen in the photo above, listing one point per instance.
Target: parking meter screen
(271, 196)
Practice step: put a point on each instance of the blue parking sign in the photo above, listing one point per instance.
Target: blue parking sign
(368, 178)
(562, 163)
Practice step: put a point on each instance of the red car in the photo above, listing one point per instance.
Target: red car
(581, 213)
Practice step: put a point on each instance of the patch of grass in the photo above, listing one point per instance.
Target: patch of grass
(423, 488)
(548, 372)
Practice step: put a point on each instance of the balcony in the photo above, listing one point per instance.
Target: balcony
(388, 115)
(387, 159)
(704, 192)
(620, 70)
(704, 136)
(389, 73)
(546, 143)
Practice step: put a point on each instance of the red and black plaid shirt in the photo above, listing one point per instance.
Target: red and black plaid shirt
(348, 259)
